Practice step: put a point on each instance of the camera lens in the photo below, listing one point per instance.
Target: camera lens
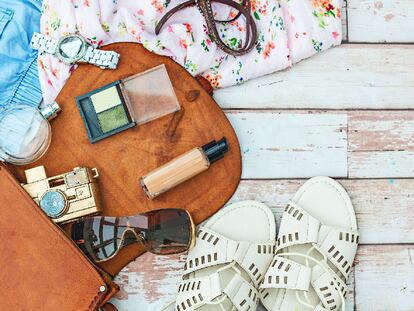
(53, 203)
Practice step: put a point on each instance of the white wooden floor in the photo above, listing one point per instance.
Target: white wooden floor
(347, 113)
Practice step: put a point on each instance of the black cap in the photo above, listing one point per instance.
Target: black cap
(215, 150)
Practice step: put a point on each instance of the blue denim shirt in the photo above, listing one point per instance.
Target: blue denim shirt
(19, 79)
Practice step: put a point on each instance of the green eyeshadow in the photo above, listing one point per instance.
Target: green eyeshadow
(104, 112)
(113, 118)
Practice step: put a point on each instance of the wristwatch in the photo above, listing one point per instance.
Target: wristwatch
(74, 48)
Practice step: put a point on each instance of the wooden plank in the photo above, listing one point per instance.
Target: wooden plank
(381, 21)
(344, 18)
(385, 278)
(151, 284)
(381, 164)
(313, 143)
(346, 77)
(384, 207)
(380, 131)
(381, 144)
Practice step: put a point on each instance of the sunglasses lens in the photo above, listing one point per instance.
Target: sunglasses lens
(169, 231)
(101, 236)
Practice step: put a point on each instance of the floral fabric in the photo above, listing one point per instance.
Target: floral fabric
(289, 31)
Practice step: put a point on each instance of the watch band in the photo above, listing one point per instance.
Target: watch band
(103, 59)
(43, 43)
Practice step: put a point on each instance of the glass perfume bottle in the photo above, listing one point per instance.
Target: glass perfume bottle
(183, 168)
(25, 132)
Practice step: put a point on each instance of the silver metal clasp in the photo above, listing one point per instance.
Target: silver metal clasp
(50, 111)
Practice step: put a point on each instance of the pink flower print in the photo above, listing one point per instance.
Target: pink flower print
(214, 80)
(41, 64)
(92, 40)
(140, 12)
(157, 5)
(335, 34)
(188, 28)
(170, 28)
(268, 49)
(259, 7)
(292, 19)
(326, 7)
(205, 30)
(183, 43)
(232, 14)
(86, 3)
(240, 27)
(55, 72)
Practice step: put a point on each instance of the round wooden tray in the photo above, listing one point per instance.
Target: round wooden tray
(123, 158)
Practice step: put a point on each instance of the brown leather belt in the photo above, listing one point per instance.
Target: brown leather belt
(204, 6)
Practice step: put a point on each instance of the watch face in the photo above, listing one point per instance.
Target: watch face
(53, 203)
(71, 48)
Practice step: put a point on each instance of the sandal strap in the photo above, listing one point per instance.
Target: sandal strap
(286, 273)
(194, 293)
(198, 292)
(214, 249)
(297, 227)
(242, 294)
(339, 246)
(329, 287)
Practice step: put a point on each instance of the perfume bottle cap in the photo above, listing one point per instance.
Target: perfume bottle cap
(215, 150)
(50, 111)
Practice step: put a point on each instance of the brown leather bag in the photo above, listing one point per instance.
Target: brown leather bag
(40, 267)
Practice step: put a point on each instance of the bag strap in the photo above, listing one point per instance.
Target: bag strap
(108, 307)
(204, 6)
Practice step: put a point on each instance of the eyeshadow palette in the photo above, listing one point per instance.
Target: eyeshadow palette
(104, 112)
(125, 103)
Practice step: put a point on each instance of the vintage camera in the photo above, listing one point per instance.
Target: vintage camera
(67, 197)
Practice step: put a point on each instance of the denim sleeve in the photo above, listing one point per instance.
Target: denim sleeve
(19, 78)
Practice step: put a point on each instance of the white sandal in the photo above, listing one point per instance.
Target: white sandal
(316, 247)
(233, 251)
